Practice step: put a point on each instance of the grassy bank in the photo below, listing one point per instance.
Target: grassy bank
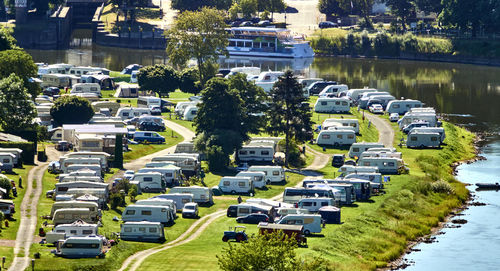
(342, 42)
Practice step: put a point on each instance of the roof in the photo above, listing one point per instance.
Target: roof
(260, 29)
(265, 225)
(11, 138)
(95, 128)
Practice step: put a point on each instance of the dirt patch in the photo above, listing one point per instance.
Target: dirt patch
(7, 243)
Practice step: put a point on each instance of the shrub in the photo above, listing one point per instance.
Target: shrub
(366, 43)
(410, 43)
(133, 192)
(5, 184)
(71, 110)
(442, 187)
(116, 200)
(217, 159)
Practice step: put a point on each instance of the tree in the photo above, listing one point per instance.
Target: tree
(465, 15)
(71, 110)
(160, 79)
(403, 9)
(20, 63)
(188, 81)
(248, 8)
(5, 184)
(3, 14)
(288, 112)
(7, 41)
(200, 35)
(118, 160)
(429, 5)
(17, 110)
(331, 7)
(362, 8)
(276, 6)
(129, 7)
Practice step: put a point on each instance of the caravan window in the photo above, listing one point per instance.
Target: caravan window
(128, 229)
(168, 174)
(125, 114)
(413, 138)
(60, 231)
(62, 189)
(72, 231)
(146, 212)
(355, 149)
(339, 136)
(87, 232)
(6, 161)
(142, 229)
(78, 89)
(133, 90)
(152, 230)
(307, 204)
(226, 183)
(324, 203)
(93, 89)
(324, 103)
(243, 152)
(264, 152)
(434, 138)
(350, 136)
(397, 105)
(130, 212)
(241, 184)
(245, 210)
(276, 173)
(148, 179)
(252, 152)
(325, 136)
(185, 201)
(344, 103)
(366, 164)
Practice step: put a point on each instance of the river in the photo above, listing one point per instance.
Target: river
(467, 95)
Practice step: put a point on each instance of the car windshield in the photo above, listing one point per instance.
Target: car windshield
(190, 207)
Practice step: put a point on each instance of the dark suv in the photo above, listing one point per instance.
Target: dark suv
(338, 160)
(327, 24)
(151, 126)
(51, 91)
(317, 87)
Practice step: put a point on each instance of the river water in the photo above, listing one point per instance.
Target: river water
(468, 95)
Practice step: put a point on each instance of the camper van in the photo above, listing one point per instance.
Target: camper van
(80, 247)
(75, 229)
(171, 174)
(236, 185)
(330, 90)
(86, 88)
(150, 182)
(332, 105)
(70, 215)
(311, 223)
(6, 161)
(423, 140)
(336, 137)
(348, 169)
(258, 178)
(357, 148)
(190, 112)
(142, 231)
(354, 123)
(313, 204)
(95, 212)
(7, 207)
(274, 174)
(439, 130)
(402, 106)
(200, 194)
(385, 165)
(148, 213)
(178, 198)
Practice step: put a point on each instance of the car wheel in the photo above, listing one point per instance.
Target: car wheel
(225, 238)
(307, 232)
(268, 182)
(239, 238)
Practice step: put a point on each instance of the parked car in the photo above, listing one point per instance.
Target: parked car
(327, 24)
(64, 146)
(242, 167)
(409, 127)
(376, 109)
(130, 68)
(338, 160)
(246, 23)
(264, 23)
(253, 218)
(190, 210)
(151, 126)
(128, 175)
(151, 137)
(237, 234)
(394, 117)
(51, 91)
(155, 110)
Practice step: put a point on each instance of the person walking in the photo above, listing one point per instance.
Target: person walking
(20, 182)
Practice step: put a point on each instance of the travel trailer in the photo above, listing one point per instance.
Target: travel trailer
(268, 202)
(81, 70)
(383, 100)
(171, 174)
(336, 137)
(112, 106)
(101, 193)
(332, 90)
(60, 68)
(370, 153)
(86, 88)
(236, 185)
(104, 81)
(374, 178)
(80, 247)
(102, 155)
(6, 162)
(274, 174)
(70, 215)
(357, 148)
(439, 130)
(363, 101)
(345, 191)
(179, 199)
(348, 169)
(295, 194)
(142, 231)
(362, 188)
(423, 140)
(62, 188)
(266, 79)
(80, 161)
(409, 118)
(17, 155)
(201, 195)
(311, 223)
(283, 211)
(58, 80)
(313, 204)
(355, 94)
(260, 151)
(180, 107)
(385, 165)
(150, 182)
(95, 212)
(332, 105)
(7, 207)
(67, 178)
(354, 123)
(258, 178)
(148, 213)
(148, 101)
(190, 112)
(77, 167)
(188, 162)
(75, 229)
(125, 90)
(402, 106)
(244, 209)
(129, 112)
(159, 202)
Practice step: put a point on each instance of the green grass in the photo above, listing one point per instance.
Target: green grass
(171, 138)
(119, 77)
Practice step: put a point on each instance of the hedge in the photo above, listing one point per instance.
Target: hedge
(29, 150)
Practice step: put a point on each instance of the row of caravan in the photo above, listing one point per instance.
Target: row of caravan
(187, 110)
(245, 182)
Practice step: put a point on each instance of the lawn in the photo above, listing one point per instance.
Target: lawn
(137, 151)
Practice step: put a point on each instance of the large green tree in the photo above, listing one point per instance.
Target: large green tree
(188, 81)
(7, 42)
(3, 14)
(362, 8)
(71, 110)
(159, 78)
(403, 9)
(289, 112)
(332, 7)
(248, 7)
(200, 35)
(17, 110)
(129, 7)
(20, 63)
(469, 15)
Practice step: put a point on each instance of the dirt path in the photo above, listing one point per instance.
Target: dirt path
(27, 227)
(135, 260)
(385, 131)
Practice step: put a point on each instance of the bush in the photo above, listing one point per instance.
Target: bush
(217, 159)
(116, 200)
(294, 155)
(133, 192)
(442, 187)
(5, 184)
(29, 150)
(71, 110)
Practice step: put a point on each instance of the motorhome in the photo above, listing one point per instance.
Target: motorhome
(159, 202)
(190, 113)
(17, 155)
(385, 165)
(80, 247)
(6, 161)
(142, 231)
(354, 123)
(258, 178)
(439, 130)
(336, 137)
(330, 90)
(332, 105)
(236, 185)
(311, 223)
(274, 174)
(423, 140)
(86, 88)
(148, 213)
(357, 148)
(70, 215)
(65, 162)
(313, 204)
(188, 163)
(95, 212)
(355, 94)
(402, 106)
(75, 229)
(7, 207)
(295, 194)
(171, 174)
(112, 106)
(200, 194)
(257, 152)
(150, 182)
(179, 198)
(102, 155)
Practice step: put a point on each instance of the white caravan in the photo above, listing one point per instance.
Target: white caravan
(357, 148)
(354, 123)
(158, 202)
(348, 169)
(70, 215)
(311, 223)
(186, 161)
(17, 154)
(374, 178)
(332, 105)
(423, 140)
(355, 94)
(80, 247)
(6, 161)
(236, 185)
(385, 165)
(142, 231)
(178, 198)
(190, 112)
(313, 204)
(383, 100)
(171, 174)
(75, 229)
(150, 182)
(180, 107)
(370, 153)
(336, 137)
(256, 151)
(402, 106)
(266, 80)
(363, 101)
(92, 206)
(63, 187)
(149, 213)
(77, 167)
(244, 209)
(148, 101)
(274, 174)
(409, 118)
(283, 211)
(200, 194)
(102, 155)
(93, 88)
(330, 90)
(268, 202)
(258, 178)
(65, 162)
(439, 130)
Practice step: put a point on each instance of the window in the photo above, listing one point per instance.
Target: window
(168, 174)
(434, 138)
(146, 212)
(366, 164)
(339, 136)
(305, 203)
(413, 138)
(324, 203)
(130, 212)
(276, 173)
(62, 189)
(128, 229)
(185, 200)
(264, 152)
(344, 103)
(93, 89)
(355, 149)
(325, 136)
(226, 183)
(142, 229)
(391, 164)
(72, 231)
(87, 232)
(252, 152)
(243, 152)
(241, 184)
(60, 231)
(395, 106)
(244, 210)
(337, 103)
(147, 179)
(324, 103)
(6, 161)
(78, 89)
(152, 230)
(232, 43)
(125, 114)
(163, 210)
(350, 136)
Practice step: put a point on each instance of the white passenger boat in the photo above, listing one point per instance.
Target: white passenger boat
(267, 42)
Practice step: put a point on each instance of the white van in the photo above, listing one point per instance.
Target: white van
(402, 106)
(354, 123)
(70, 215)
(423, 140)
(86, 88)
(75, 229)
(258, 178)
(142, 231)
(332, 105)
(357, 148)
(149, 213)
(200, 194)
(80, 247)
(311, 223)
(190, 112)
(236, 185)
(150, 182)
(178, 198)
(313, 204)
(332, 90)
(274, 174)
(336, 137)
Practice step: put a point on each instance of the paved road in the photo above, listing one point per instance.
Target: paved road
(385, 131)
(306, 20)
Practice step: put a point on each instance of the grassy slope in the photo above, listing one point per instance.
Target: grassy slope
(140, 150)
